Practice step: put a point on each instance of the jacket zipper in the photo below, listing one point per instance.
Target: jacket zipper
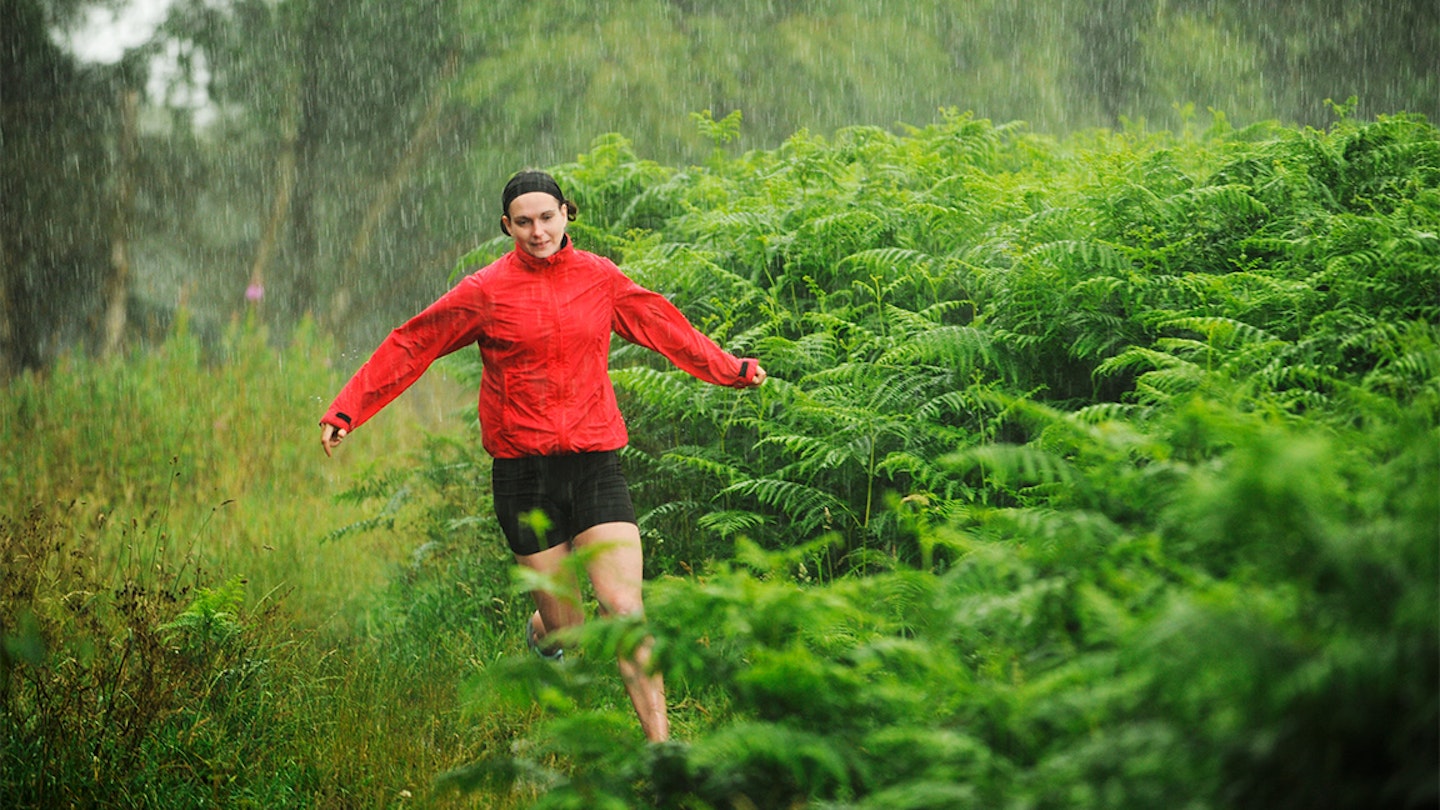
(557, 364)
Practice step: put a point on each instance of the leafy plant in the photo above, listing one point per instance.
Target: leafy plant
(1091, 473)
(1069, 487)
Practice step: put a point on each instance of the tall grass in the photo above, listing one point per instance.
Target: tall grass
(1099, 474)
(177, 631)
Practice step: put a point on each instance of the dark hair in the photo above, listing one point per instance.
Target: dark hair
(529, 180)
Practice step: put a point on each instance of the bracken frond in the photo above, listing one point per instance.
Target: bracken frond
(1012, 464)
(809, 507)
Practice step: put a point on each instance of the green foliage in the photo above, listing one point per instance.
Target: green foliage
(104, 699)
(451, 598)
(1263, 635)
(160, 650)
(341, 151)
(210, 623)
(1089, 474)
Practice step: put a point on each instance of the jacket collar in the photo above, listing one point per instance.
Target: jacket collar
(567, 248)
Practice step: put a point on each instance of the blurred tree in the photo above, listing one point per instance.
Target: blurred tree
(343, 116)
(1386, 53)
(1256, 60)
(336, 157)
(53, 187)
(1110, 64)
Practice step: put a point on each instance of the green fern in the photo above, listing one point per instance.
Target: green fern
(810, 508)
(211, 622)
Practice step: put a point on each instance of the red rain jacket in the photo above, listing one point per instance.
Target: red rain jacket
(543, 327)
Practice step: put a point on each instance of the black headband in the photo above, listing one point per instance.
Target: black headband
(526, 182)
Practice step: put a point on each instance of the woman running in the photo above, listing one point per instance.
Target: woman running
(542, 316)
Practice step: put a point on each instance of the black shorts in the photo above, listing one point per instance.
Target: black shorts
(575, 492)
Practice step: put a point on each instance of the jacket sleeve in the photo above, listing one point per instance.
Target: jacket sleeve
(449, 324)
(650, 320)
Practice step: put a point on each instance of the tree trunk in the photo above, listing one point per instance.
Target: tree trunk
(7, 331)
(280, 205)
(117, 284)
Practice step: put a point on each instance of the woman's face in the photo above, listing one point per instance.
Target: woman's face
(537, 221)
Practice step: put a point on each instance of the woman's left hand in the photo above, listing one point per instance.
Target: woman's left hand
(330, 437)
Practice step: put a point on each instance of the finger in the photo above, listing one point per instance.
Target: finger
(330, 438)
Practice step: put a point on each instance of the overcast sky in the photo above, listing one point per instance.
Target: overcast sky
(103, 34)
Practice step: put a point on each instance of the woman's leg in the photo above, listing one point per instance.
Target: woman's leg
(617, 573)
(553, 611)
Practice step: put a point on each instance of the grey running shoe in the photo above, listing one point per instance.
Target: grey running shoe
(557, 654)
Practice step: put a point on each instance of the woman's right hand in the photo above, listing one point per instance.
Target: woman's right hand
(330, 437)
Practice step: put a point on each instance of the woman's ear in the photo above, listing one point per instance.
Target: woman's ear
(505, 225)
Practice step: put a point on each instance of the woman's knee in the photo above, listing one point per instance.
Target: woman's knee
(625, 605)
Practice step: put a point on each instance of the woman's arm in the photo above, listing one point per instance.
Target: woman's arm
(650, 320)
(450, 323)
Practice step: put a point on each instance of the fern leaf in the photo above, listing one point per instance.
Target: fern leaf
(811, 508)
(1102, 412)
(810, 352)
(698, 463)
(731, 522)
(1080, 257)
(1140, 358)
(1221, 332)
(886, 262)
(1165, 384)
(1232, 200)
(1011, 464)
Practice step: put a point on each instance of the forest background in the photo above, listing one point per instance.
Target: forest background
(1098, 467)
(341, 154)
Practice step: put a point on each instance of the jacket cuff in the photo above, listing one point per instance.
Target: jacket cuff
(749, 367)
(337, 419)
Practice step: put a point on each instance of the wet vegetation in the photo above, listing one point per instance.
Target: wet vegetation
(1094, 471)
(330, 158)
